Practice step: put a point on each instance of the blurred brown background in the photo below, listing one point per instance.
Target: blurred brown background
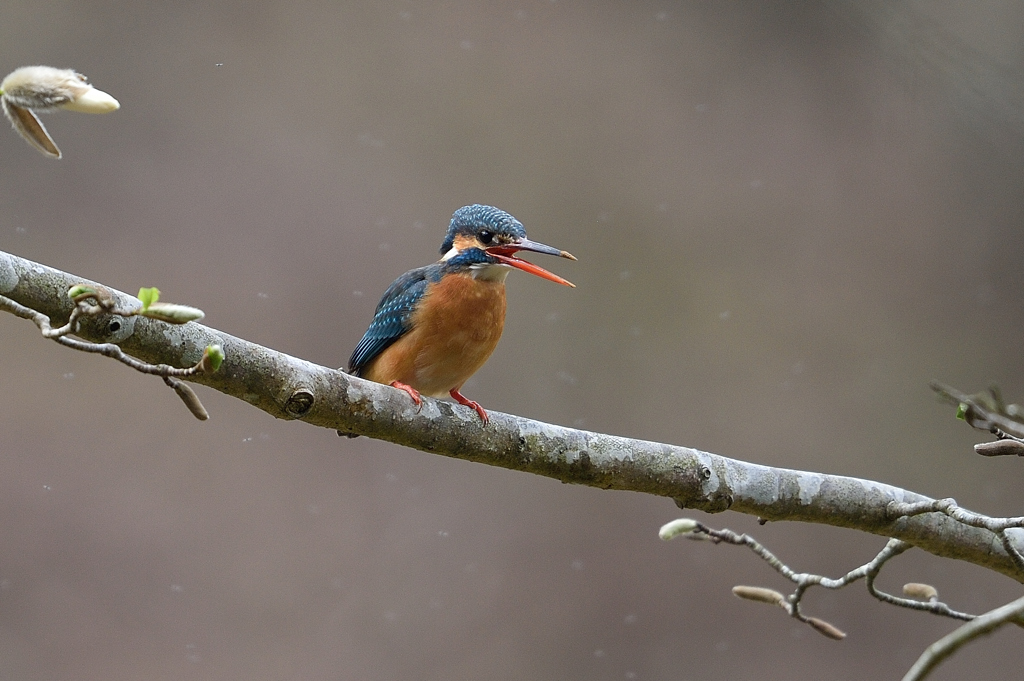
(789, 217)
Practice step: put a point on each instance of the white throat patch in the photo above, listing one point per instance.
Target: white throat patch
(490, 272)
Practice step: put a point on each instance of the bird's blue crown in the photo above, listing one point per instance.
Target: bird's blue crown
(471, 220)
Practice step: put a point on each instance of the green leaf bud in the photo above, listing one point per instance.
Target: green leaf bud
(148, 296)
(213, 357)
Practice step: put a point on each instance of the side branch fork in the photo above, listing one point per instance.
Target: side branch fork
(84, 307)
(927, 597)
(294, 389)
(1012, 612)
(987, 411)
(921, 597)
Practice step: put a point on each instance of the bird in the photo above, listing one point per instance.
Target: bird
(436, 325)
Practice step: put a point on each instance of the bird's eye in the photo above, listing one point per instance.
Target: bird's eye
(486, 237)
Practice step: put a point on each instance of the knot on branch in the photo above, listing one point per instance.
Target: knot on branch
(299, 402)
(108, 328)
(714, 497)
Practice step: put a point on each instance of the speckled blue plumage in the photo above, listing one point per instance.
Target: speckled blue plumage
(396, 307)
(470, 220)
(391, 320)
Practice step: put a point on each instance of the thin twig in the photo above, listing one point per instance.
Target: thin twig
(950, 643)
(804, 581)
(932, 605)
(85, 309)
(988, 417)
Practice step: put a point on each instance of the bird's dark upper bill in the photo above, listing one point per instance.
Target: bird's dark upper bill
(506, 254)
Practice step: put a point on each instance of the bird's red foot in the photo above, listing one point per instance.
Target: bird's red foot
(413, 393)
(462, 399)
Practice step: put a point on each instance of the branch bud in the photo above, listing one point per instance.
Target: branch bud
(922, 592)
(189, 397)
(675, 528)
(81, 292)
(759, 594)
(45, 88)
(92, 101)
(213, 357)
(172, 313)
(148, 296)
(101, 294)
(1000, 448)
(826, 629)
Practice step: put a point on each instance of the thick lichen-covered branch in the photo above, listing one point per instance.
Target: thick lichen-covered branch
(94, 300)
(290, 388)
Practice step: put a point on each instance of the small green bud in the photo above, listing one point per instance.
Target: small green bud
(961, 411)
(79, 291)
(148, 296)
(213, 357)
(101, 294)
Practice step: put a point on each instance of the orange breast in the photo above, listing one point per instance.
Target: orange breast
(454, 331)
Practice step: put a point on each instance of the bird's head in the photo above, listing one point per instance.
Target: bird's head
(500, 236)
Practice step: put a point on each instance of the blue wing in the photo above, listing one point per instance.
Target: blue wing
(391, 320)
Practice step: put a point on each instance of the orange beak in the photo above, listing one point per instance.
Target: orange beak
(505, 254)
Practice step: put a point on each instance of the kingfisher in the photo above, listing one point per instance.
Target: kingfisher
(437, 325)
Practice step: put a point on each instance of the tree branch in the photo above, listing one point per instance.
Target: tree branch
(290, 388)
(950, 643)
(926, 596)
